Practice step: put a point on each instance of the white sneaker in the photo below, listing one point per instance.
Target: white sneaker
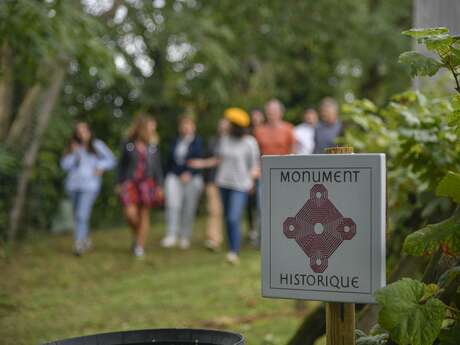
(211, 245)
(79, 248)
(232, 258)
(138, 252)
(184, 243)
(168, 242)
(88, 244)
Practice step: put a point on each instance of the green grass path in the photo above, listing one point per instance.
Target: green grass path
(47, 294)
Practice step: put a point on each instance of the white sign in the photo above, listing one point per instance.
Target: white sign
(323, 227)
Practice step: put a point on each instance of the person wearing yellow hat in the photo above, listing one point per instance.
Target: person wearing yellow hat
(237, 165)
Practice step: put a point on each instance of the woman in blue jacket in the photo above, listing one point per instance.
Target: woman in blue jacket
(85, 161)
(183, 185)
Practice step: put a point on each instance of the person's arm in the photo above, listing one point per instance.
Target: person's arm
(310, 144)
(254, 160)
(292, 140)
(196, 153)
(106, 159)
(203, 163)
(211, 161)
(71, 159)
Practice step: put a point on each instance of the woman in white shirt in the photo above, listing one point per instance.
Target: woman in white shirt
(305, 133)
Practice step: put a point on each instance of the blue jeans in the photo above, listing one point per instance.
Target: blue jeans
(82, 202)
(234, 202)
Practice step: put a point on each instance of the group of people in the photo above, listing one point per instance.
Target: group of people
(227, 168)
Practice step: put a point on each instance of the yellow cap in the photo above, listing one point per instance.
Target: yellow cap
(237, 116)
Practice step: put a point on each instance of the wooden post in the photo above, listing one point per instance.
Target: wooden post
(340, 317)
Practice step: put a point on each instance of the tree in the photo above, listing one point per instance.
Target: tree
(175, 56)
(38, 42)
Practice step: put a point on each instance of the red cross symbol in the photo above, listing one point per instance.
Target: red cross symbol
(319, 228)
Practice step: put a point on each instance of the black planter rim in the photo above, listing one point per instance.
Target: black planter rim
(160, 335)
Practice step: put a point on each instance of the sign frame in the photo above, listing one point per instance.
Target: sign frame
(374, 164)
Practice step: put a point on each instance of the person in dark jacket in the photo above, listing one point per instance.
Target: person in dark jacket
(183, 185)
(140, 178)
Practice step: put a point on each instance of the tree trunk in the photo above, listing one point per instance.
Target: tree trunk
(6, 88)
(22, 122)
(50, 97)
(312, 327)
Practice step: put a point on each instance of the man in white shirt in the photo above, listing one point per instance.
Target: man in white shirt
(305, 133)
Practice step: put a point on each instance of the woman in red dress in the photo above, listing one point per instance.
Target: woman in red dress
(140, 178)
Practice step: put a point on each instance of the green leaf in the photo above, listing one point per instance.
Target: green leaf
(422, 33)
(450, 336)
(450, 186)
(426, 241)
(453, 118)
(439, 43)
(405, 317)
(449, 276)
(456, 101)
(419, 64)
(363, 339)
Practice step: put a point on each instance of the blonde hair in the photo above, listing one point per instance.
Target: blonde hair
(138, 129)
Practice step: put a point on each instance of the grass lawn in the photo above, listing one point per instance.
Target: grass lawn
(46, 293)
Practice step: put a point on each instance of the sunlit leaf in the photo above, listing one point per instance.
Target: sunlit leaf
(420, 64)
(444, 235)
(408, 318)
(419, 33)
(450, 186)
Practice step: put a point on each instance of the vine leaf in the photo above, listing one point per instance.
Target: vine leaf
(450, 186)
(424, 33)
(449, 276)
(407, 316)
(420, 64)
(363, 339)
(450, 336)
(444, 235)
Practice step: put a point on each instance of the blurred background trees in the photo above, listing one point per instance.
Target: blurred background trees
(101, 61)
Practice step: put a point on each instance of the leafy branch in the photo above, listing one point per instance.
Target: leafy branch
(444, 45)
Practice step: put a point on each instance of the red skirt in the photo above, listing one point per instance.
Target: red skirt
(144, 193)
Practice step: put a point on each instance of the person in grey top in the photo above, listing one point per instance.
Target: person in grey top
(237, 166)
(330, 127)
(85, 161)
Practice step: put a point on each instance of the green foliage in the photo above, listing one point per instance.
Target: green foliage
(410, 313)
(198, 56)
(421, 146)
(450, 186)
(422, 33)
(446, 234)
(449, 276)
(420, 134)
(426, 241)
(363, 339)
(420, 64)
(450, 336)
(439, 41)
(413, 130)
